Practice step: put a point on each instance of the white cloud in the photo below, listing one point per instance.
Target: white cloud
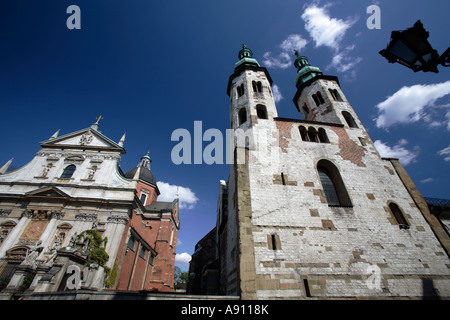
(398, 151)
(409, 104)
(293, 42)
(169, 192)
(427, 180)
(329, 32)
(284, 59)
(183, 259)
(343, 62)
(445, 152)
(276, 93)
(324, 30)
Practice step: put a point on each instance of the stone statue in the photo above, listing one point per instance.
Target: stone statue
(46, 169)
(91, 173)
(32, 254)
(51, 258)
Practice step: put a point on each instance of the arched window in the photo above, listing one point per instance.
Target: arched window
(242, 116)
(303, 133)
(68, 172)
(319, 96)
(257, 86)
(398, 215)
(261, 111)
(312, 134)
(323, 136)
(333, 186)
(318, 99)
(335, 94)
(240, 90)
(349, 119)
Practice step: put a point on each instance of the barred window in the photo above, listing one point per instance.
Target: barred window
(142, 253)
(333, 185)
(328, 187)
(131, 243)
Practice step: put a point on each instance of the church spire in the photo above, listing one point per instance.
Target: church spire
(6, 166)
(304, 70)
(55, 135)
(122, 140)
(245, 58)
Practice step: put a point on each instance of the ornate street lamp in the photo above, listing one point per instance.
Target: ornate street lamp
(412, 49)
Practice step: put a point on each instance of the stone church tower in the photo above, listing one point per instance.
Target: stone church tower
(311, 209)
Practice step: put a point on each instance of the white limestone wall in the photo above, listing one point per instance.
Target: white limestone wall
(360, 237)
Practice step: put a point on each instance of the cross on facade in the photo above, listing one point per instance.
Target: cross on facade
(99, 118)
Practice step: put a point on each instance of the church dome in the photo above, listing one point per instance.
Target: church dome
(145, 173)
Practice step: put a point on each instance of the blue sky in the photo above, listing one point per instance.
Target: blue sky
(151, 67)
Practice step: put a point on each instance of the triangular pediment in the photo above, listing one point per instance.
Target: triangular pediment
(47, 192)
(87, 139)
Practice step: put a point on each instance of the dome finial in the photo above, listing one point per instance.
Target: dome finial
(245, 52)
(246, 58)
(145, 160)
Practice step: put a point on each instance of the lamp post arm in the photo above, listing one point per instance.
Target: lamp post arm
(444, 60)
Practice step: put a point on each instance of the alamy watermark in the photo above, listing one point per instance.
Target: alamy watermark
(373, 282)
(213, 147)
(74, 280)
(374, 21)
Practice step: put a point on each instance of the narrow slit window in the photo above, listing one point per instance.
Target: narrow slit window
(283, 180)
(274, 242)
(307, 290)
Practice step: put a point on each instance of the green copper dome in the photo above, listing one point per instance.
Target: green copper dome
(304, 70)
(245, 58)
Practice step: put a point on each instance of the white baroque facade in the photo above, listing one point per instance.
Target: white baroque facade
(72, 185)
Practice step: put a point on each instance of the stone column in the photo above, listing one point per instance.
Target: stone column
(46, 238)
(114, 232)
(14, 235)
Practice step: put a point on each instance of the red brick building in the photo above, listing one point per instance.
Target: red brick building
(149, 242)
